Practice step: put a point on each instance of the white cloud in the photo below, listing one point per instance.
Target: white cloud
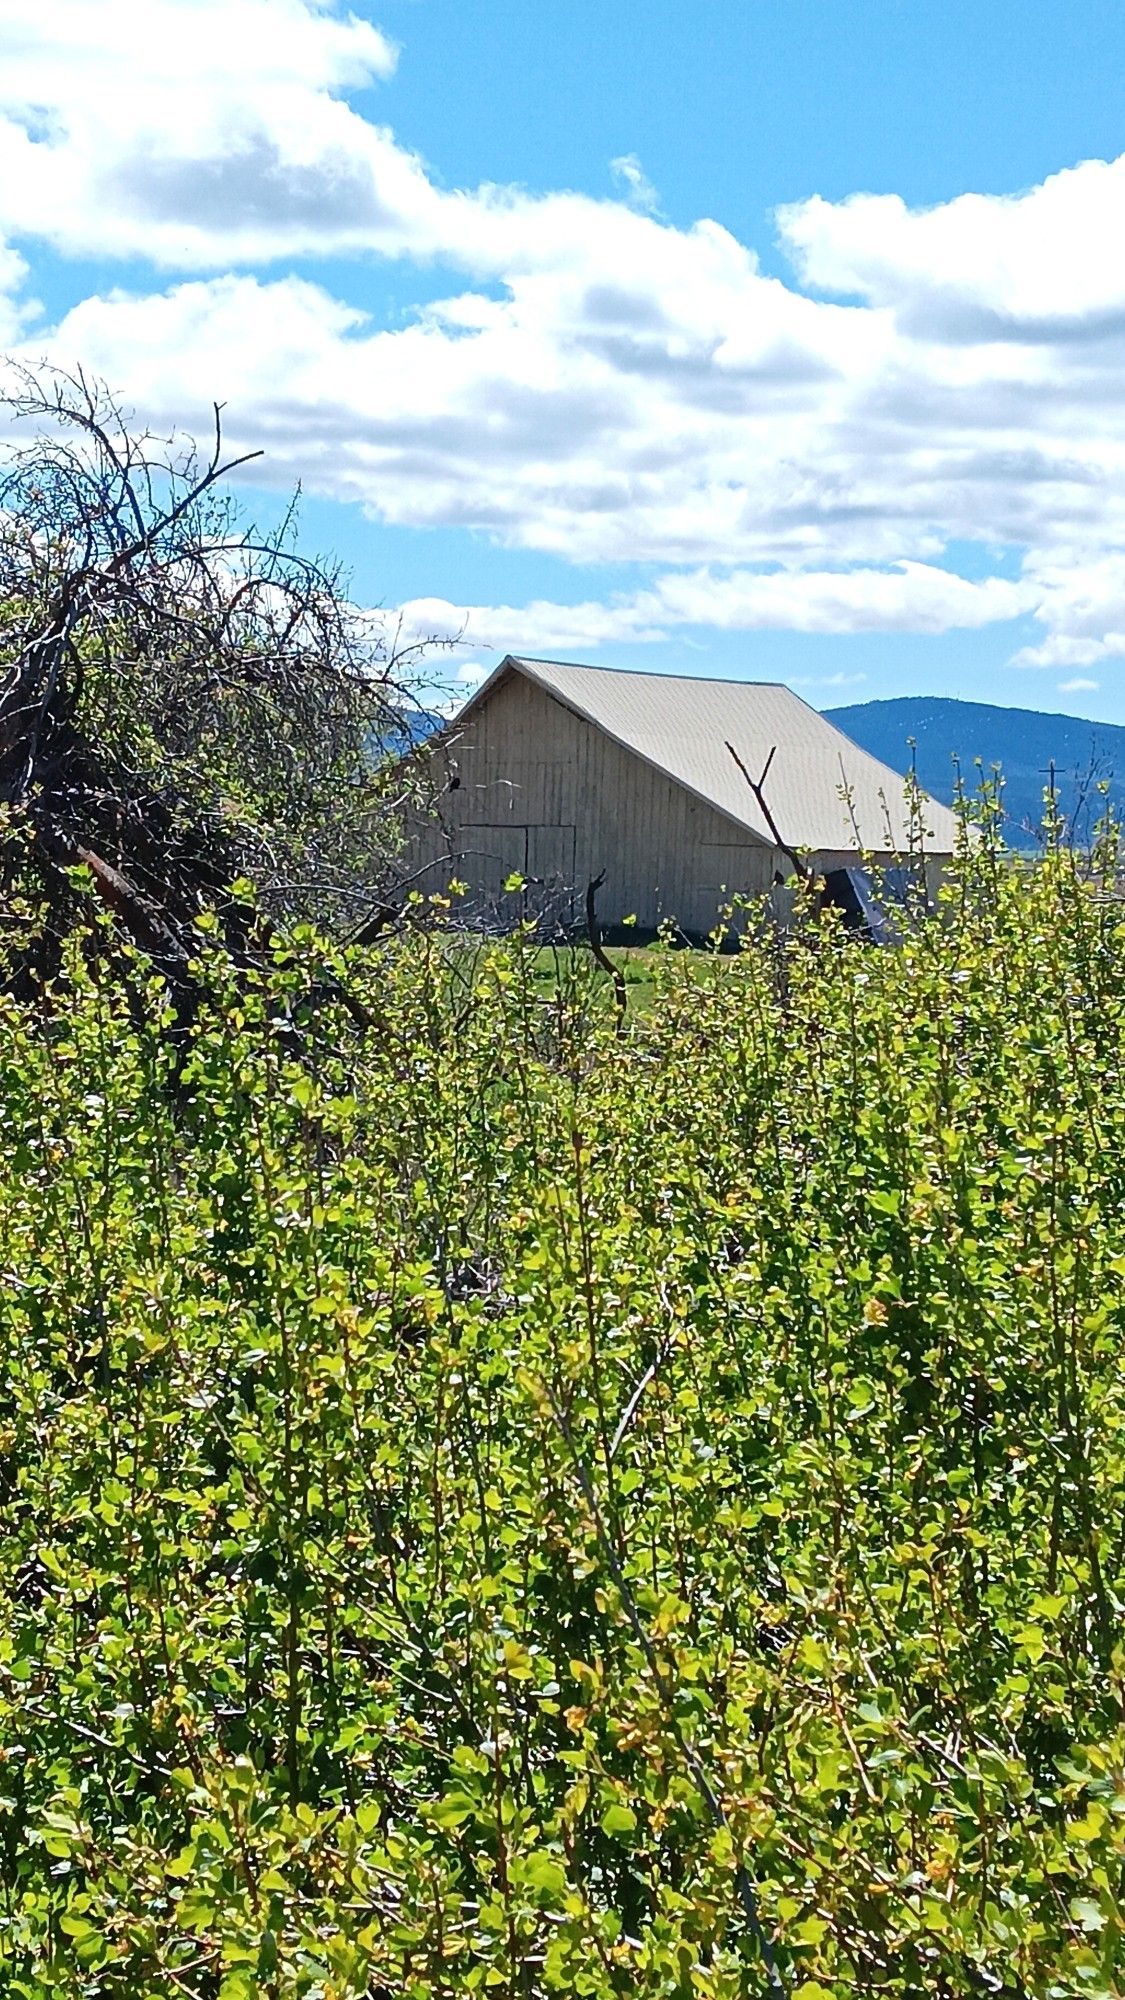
(634, 182)
(169, 128)
(982, 265)
(16, 310)
(581, 415)
(201, 133)
(911, 598)
(828, 680)
(607, 387)
(538, 628)
(1080, 601)
(1079, 687)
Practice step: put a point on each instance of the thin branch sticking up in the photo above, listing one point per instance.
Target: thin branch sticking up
(633, 1405)
(602, 957)
(757, 786)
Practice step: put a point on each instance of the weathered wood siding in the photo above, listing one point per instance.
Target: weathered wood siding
(547, 795)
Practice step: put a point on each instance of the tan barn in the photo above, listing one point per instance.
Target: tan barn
(557, 773)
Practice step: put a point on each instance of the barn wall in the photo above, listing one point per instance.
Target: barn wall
(544, 794)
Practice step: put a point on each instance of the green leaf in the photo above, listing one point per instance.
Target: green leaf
(77, 1926)
(452, 1810)
(543, 1872)
(1087, 1914)
(885, 1201)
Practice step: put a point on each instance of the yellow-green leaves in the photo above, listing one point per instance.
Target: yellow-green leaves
(477, 1495)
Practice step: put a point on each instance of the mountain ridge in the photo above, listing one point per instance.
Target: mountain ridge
(951, 735)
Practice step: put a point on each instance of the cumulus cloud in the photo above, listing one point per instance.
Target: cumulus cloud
(605, 386)
(593, 419)
(188, 130)
(1028, 267)
(910, 597)
(197, 133)
(1080, 601)
(538, 628)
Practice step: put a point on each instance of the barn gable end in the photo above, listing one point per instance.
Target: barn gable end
(544, 793)
(559, 774)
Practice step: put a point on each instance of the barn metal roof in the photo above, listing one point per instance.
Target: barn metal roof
(682, 726)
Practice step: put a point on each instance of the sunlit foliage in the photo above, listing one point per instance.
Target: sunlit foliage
(493, 1504)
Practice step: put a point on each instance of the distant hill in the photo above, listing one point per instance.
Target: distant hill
(410, 727)
(1021, 741)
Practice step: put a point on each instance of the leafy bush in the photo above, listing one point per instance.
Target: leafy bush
(494, 1505)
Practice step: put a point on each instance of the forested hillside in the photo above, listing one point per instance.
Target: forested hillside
(952, 735)
(495, 1499)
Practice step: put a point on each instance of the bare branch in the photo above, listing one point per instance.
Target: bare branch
(184, 699)
(757, 786)
(594, 934)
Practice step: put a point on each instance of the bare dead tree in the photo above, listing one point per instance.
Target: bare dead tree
(758, 787)
(184, 701)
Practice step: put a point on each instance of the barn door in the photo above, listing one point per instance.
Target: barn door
(550, 872)
(489, 856)
(542, 855)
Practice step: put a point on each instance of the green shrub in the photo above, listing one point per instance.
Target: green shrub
(495, 1505)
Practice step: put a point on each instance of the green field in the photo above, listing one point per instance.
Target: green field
(499, 1500)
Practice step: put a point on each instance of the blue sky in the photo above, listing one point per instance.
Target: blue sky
(735, 106)
(780, 341)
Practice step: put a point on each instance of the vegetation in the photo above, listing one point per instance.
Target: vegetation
(185, 701)
(490, 1502)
